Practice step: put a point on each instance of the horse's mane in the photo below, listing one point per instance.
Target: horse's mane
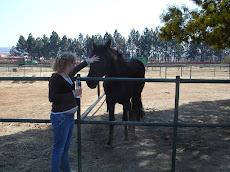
(116, 55)
(117, 61)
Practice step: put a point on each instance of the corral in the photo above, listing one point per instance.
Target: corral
(27, 147)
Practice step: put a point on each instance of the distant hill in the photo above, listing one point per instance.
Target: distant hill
(5, 50)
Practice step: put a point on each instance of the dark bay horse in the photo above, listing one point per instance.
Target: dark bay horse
(112, 64)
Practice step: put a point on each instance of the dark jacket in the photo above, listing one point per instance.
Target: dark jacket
(61, 92)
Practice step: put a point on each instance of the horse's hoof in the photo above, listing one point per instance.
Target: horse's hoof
(132, 132)
(127, 141)
(108, 145)
(130, 128)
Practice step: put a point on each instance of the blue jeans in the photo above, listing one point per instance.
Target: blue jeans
(63, 125)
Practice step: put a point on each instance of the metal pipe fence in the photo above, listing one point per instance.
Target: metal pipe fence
(80, 118)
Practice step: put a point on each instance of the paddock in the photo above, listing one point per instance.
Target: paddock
(29, 145)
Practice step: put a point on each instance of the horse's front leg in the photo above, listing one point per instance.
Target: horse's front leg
(109, 143)
(125, 118)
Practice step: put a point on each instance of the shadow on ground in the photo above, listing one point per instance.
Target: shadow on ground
(198, 149)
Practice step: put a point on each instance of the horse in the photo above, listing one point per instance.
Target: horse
(127, 93)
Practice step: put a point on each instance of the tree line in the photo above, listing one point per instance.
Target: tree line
(147, 44)
(187, 35)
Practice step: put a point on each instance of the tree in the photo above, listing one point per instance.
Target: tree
(74, 46)
(176, 51)
(119, 42)
(45, 48)
(88, 45)
(107, 37)
(30, 43)
(64, 44)
(14, 51)
(38, 47)
(132, 42)
(80, 51)
(200, 52)
(97, 39)
(209, 25)
(146, 42)
(155, 46)
(21, 46)
(54, 44)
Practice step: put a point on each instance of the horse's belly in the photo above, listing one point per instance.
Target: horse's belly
(117, 92)
(120, 98)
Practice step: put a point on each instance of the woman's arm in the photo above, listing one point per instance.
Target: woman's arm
(79, 67)
(84, 64)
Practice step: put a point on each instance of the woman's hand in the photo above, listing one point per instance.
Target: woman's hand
(78, 92)
(93, 59)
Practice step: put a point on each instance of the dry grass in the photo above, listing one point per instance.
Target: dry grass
(27, 147)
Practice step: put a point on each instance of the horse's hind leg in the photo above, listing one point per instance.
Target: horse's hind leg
(131, 118)
(125, 118)
(132, 127)
(109, 143)
(136, 111)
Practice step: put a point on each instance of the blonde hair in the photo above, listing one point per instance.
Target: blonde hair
(61, 62)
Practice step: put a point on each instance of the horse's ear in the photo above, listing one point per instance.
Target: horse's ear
(93, 45)
(107, 45)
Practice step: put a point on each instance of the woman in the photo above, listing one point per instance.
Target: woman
(62, 94)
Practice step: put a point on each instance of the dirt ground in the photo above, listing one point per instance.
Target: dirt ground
(26, 147)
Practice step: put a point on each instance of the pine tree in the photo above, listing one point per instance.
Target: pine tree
(54, 45)
(21, 46)
(30, 43)
(209, 25)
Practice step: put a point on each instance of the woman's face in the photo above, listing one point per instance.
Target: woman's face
(71, 66)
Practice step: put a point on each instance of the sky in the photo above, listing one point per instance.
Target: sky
(72, 17)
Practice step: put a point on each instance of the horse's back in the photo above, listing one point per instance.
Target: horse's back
(136, 68)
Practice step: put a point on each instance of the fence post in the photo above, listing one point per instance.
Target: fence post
(24, 70)
(214, 72)
(40, 70)
(160, 71)
(79, 130)
(165, 72)
(229, 71)
(175, 127)
(98, 89)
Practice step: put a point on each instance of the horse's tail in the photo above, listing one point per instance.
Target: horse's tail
(137, 108)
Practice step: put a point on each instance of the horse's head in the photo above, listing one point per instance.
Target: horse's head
(98, 69)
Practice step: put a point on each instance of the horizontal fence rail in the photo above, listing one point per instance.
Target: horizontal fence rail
(80, 118)
(165, 70)
(118, 79)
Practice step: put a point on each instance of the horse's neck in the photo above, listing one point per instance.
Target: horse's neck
(115, 69)
(111, 69)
